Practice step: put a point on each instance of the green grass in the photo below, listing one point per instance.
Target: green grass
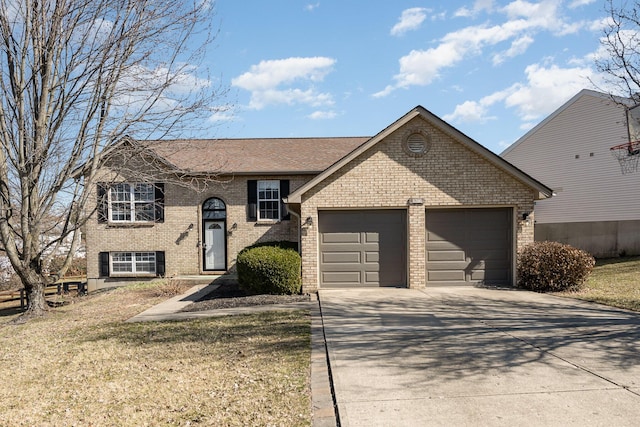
(82, 365)
(614, 282)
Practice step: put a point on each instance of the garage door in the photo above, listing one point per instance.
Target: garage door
(362, 248)
(468, 246)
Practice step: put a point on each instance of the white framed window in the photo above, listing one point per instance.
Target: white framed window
(269, 200)
(132, 202)
(127, 263)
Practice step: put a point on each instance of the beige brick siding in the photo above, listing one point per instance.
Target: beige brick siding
(183, 250)
(385, 176)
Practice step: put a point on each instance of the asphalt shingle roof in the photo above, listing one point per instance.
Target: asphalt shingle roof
(255, 155)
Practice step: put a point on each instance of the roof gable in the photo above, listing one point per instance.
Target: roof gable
(419, 111)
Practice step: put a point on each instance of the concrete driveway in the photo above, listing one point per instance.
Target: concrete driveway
(481, 357)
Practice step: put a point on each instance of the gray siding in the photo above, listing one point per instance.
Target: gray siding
(569, 152)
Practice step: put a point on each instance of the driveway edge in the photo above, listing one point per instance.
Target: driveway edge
(324, 411)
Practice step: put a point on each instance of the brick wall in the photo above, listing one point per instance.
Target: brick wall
(448, 175)
(183, 248)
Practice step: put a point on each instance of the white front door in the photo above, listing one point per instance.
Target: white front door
(214, 245)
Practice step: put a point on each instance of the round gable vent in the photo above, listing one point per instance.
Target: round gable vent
(416, 143)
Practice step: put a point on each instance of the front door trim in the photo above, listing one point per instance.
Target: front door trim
(214, 218)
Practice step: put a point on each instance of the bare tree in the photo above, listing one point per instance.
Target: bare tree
(75, 77)
(620, 58)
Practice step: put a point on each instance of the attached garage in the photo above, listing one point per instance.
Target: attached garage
(362, 248)
(419, 204)
(469, 246)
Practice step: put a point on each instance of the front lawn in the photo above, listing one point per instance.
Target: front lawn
(82, 365)
(614, 282)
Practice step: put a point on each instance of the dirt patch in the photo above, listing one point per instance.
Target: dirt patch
(230, 295)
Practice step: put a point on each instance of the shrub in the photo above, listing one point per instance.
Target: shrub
(269, 269)
(284, 244)
(78, 265)
(553, 266)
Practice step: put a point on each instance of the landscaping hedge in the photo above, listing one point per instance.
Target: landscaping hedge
(269, 269)
(552, 266)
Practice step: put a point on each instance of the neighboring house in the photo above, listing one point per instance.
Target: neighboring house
(595, 207)
(418, 204)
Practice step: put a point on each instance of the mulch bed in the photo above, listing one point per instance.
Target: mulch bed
(230, 295)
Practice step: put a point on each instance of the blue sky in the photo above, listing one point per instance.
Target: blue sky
(493, 69)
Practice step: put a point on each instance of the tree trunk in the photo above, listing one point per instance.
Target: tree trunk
(36, 303)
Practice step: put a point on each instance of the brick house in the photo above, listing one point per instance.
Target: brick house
(418, 204)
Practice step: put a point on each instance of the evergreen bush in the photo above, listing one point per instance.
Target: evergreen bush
(269, 269)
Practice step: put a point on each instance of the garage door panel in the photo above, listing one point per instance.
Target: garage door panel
(446, 276)
(496, 275)
(494, 256)
(380, 243)
(445, 255)
(341, 238)
(445, 235)
(443, 246)
(372, 257)
(469, 245)
(489, 275)
(341, 278)
(341, 257)
(372, 237)
(448, 265)
(486, 264)
(371, 277)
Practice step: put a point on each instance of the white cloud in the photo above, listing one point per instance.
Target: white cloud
(222, 116)
(411, 19)
(384, 92)
(468, 111)
(577, 3)
(312, 6)
(476, 111)
(478, 6)
(322, 115)
(546, 89)
(268, 81)
(599, 25)
(523, 20)
(518, 47)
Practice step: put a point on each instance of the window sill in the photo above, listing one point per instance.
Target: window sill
(131, 224)
(267, 222)
(132, 275)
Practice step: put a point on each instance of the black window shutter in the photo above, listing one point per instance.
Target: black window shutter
(284, 192)
(160, 266)
(159, 201)
(104, 264)
(252, 200)
(103, 203)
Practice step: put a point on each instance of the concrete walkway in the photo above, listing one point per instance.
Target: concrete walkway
(480, 357)
(170, 309)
